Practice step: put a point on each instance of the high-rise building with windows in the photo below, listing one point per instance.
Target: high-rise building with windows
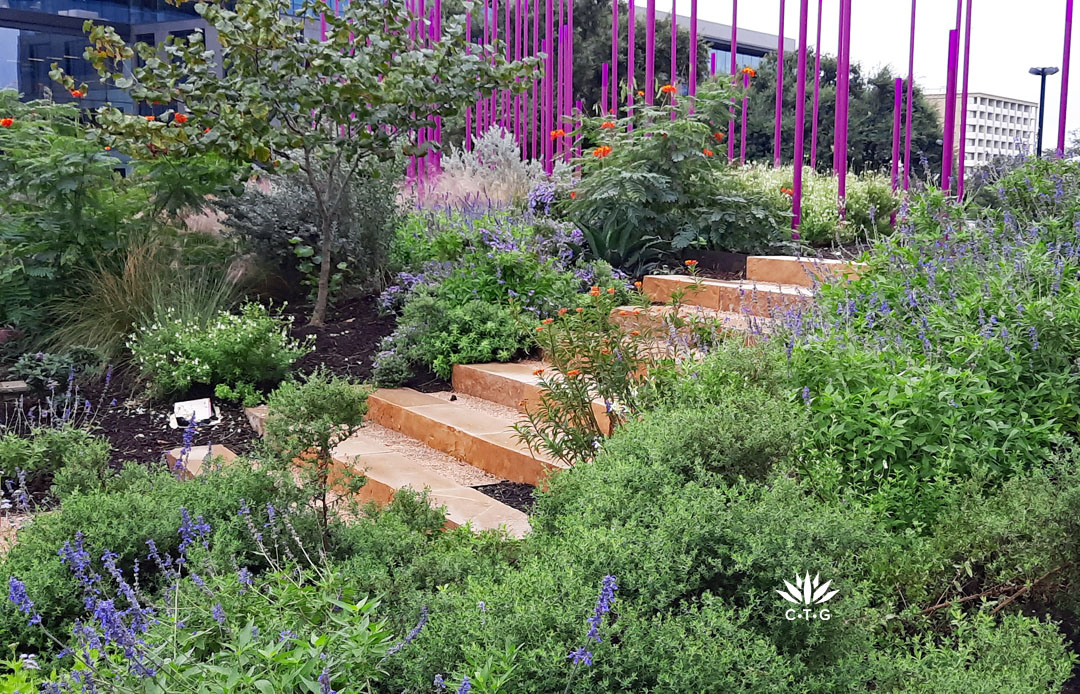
(997, 126)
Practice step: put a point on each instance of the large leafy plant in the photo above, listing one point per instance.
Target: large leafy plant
(657, 181)
(279, 97)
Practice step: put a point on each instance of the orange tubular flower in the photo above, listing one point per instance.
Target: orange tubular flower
(573, 195)
(607, 125)
(611, 290)
(7, 122)
(579, 309)
(548, 321)
(635, 333)
(573, 372)
(668, 89)
(595, 291)
(690, 263)
(180, 118)
(707, 152)
(638, 284)
(538, 372)
(749, 71)
(640, 93)
(539, 328)
(107, 148)
(150, 119)
(77, 93)
(556, 134)
(601, 151)
(562, 311)
(719, 137)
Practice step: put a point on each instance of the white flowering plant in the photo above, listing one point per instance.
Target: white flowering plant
(252, 348)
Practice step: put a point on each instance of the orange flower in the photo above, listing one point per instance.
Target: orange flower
(579, 309)
(150, 119)
(548, 321)
(690, 263)
(562, 311)
(601, 151)
(180, 118)
(206, 130)
(107, 148)
(708, 152)
(719, 137)
(607, 125)
(573, 195)
(78, 93)
(611, 290)
(573, 372)
(7, 122)
(640, 93)
(668, 89)
(605, 351)
(594, 290)
(787, 191)
(749, 71)
(539, 328)
(638, 284)
(556, 134)
(635, 333)
(538, 372)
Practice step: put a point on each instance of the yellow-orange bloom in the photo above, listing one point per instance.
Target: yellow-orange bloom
(690, 263)
(556, 134)
(601, 151)
(562, 311)
(180, 118)
(548, 321)
(749, 71)
(573, 372)
(707, 152)
(7, 122)
(607, 125)
(719, 137)
(668, 89)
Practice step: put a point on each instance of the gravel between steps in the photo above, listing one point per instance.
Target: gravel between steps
(481, 405)
(446, 465)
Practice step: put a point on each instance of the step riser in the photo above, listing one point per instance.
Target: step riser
(762, 301)
(496, 452)
(802, 272)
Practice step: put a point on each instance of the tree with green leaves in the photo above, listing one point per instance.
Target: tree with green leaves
(278, 97)
(871, 118)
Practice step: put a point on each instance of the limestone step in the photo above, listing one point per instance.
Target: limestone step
(388, 471)
(658, 318)
(805, 272)
(482, 440)
(743, 296)
(515, 385)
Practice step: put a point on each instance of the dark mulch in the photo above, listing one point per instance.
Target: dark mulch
(514, 494)
(349, 341)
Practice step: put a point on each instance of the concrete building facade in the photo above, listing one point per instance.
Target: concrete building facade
(997, 126)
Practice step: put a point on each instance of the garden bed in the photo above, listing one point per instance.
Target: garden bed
(517, 495)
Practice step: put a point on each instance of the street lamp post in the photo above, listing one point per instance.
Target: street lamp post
(1042, 72)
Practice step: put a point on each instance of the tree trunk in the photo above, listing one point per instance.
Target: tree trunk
(318, 315)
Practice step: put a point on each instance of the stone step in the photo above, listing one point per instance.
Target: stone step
(657, 318)
(481, 440)
(388, 471)
(804, 272)
(515, 385)
(743, 296)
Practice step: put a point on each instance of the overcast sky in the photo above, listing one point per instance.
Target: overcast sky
(1007, 37)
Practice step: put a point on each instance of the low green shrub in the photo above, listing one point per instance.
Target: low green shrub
(250, 347)
(45, 371)
(45, 451)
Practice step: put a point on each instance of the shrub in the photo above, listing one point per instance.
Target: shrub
(45, 371)
(46, 450)
(249, 347)
(661, 179)
(135, 507)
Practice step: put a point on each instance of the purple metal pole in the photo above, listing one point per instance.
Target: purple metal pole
(742, 133)
(734, 71)
(712, 64)
(693, 51)
(517, 97)
(505, 101)
(603, 88)
(535, 89)
(950, 112)
(560, 77)
(1065, 58)
(910, 101)
(898, 98)
(844, 95)
(468, 109)
(964, 105)
(800, 120)
(631, 79)
(549, 77)
(779, 89)
(615, 57)
(674, 45)
(837, 119)
(650, 50)
(568, 100)
(817, 90)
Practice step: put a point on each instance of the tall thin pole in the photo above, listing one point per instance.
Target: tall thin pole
(1042, 111)
(549, 80)
(535, 89)
(745, 105)
(947, 144)
(631, 75)
(568, 100)
(468, 109)
(517, 97)
(615, 56)
(674, 61)
(964, 105)
(650, 50)
(817, 90)
(604, 77)
(778, 125)
(734, 71)
(843, 98)
(898, 96)
(506, 101)
(693, 50)
(1065, 58)
(910, 101)
(800, 119)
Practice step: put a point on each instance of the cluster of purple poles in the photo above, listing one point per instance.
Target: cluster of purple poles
(540, 118)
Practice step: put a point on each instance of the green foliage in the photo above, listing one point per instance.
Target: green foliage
(262, 112)
(663, 184)
(252, 346)
(868, 209)
(137, 506)
(153, 279)
(243, 393)
(64, 204)
(43, 370)
(276, 219)
(46, 450)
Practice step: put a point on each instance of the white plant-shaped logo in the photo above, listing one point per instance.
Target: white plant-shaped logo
(807, 591)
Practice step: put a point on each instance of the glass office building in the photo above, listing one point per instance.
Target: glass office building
(34, 34)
